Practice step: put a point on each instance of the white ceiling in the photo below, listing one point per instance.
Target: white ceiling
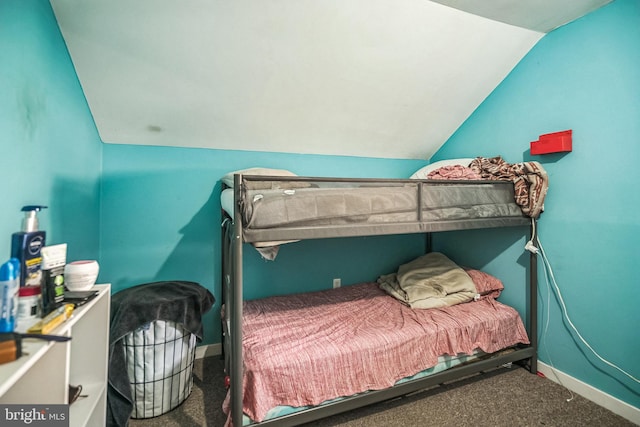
(371, 78)
(536, 15)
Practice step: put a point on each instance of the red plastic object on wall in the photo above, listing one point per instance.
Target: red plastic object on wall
(556, 142)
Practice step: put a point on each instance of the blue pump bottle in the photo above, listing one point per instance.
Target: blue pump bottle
(26, 246)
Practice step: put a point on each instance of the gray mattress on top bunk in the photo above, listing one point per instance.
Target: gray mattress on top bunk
(275, 208)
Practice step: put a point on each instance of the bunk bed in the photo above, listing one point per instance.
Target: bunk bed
(270, 210)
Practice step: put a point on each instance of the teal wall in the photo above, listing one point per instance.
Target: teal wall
(161, 221)
(50, 152)
(584, 76)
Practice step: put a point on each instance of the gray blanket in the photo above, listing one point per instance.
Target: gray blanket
(430, 281)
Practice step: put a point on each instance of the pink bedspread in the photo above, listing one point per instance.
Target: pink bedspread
(454, 172)
(307, 348)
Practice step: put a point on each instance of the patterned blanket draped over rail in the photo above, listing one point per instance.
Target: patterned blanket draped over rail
(530, 181)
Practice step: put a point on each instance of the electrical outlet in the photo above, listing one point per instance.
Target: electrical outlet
(337, 282)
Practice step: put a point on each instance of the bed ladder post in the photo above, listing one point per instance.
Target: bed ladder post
(225, 247)
(236, 314)
(533, 301)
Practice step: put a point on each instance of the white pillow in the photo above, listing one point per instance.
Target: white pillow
(423, 172)
(228, 178)
(257, 185)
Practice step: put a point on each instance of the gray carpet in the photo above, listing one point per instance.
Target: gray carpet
(504, 397)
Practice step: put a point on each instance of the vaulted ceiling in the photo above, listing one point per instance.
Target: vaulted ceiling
(371, 78)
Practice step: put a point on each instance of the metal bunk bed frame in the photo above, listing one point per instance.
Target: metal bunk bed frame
(232, 238)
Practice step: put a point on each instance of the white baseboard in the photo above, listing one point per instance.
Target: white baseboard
(603, 399)
(208, 350)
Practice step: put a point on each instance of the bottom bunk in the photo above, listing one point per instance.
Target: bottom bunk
(312, 355)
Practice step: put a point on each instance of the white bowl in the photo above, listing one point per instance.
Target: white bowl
(81, 275)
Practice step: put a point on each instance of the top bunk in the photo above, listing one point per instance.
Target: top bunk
(283, 207)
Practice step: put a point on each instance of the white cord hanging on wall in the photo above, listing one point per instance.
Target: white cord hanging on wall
(530, 246)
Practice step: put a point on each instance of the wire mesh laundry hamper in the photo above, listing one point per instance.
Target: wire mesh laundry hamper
(159, 358)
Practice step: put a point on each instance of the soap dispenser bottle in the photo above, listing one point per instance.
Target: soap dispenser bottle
(26, 246)
(9, 278)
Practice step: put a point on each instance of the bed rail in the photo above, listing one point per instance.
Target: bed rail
(413, 221)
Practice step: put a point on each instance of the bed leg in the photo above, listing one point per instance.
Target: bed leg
(533, 302)
(533, 364)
